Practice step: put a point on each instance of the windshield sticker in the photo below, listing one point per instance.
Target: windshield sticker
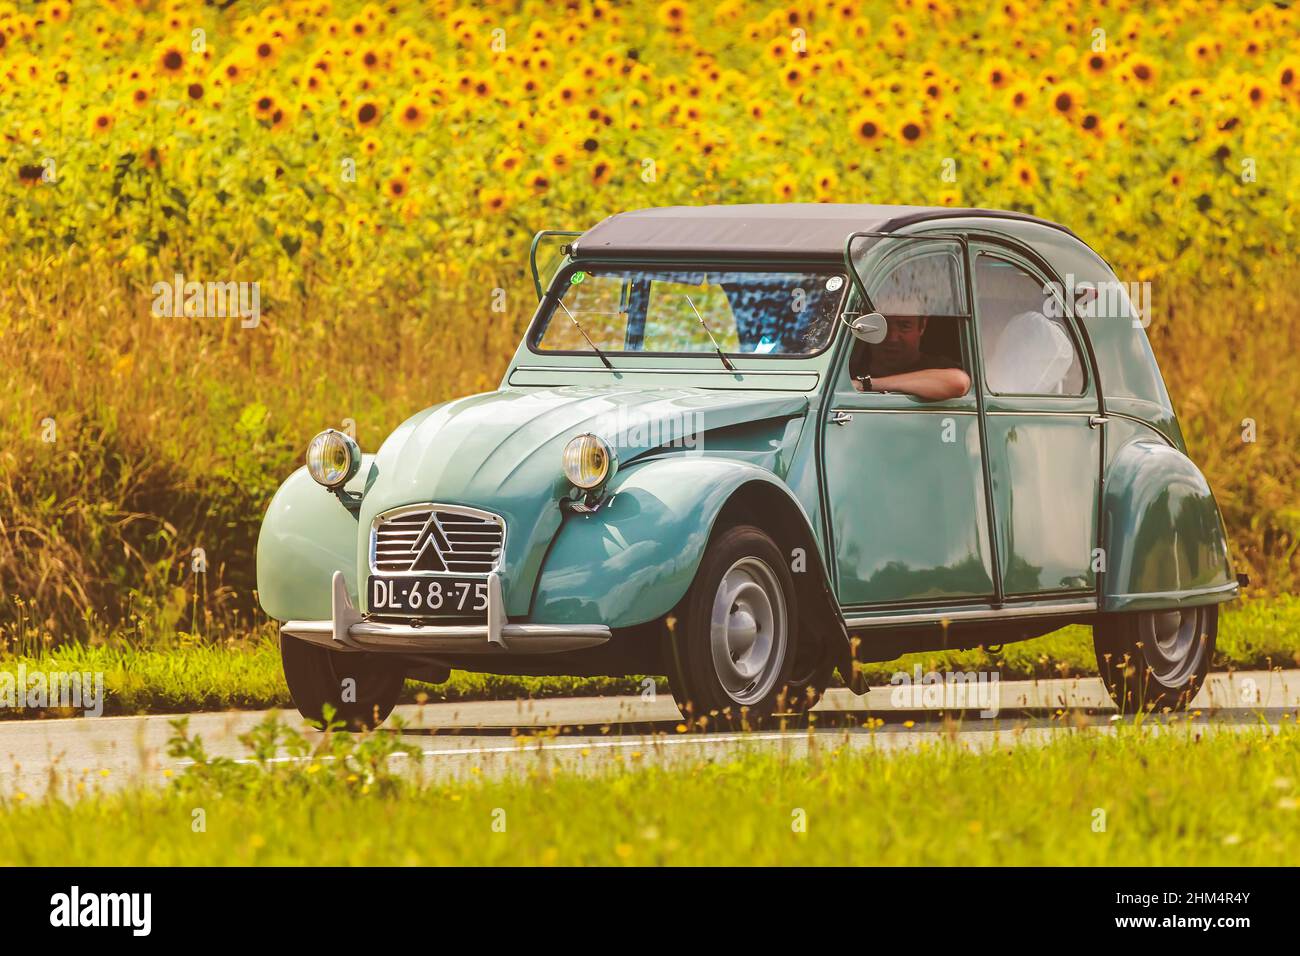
(577, 277)
(833, 283)
(765, 344)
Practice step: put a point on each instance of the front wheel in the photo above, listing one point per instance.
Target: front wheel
(732, 648)
(1156, 660)
(362, 688)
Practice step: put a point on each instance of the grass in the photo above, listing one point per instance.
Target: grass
(1087, 798)
(243, 675)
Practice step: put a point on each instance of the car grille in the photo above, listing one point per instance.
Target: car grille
(437, 538)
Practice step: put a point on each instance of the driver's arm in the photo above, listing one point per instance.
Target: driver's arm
(931, 384)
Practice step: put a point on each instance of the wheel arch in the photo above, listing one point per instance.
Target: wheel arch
(635, 559)
(1164, 539)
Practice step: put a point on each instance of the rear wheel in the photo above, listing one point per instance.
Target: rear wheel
(362, 688)
(1156, 660)
(732, 649)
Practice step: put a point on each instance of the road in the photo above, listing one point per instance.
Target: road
(84, 755)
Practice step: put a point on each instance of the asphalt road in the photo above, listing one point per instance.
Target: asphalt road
(83, 755)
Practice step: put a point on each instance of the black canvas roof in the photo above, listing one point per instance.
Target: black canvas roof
(772, 229)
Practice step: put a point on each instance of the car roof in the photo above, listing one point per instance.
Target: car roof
(761, 229)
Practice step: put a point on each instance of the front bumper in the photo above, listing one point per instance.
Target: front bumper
(350, 630)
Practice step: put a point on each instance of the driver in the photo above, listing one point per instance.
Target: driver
(897, 364)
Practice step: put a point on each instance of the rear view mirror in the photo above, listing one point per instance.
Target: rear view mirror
(870, 328)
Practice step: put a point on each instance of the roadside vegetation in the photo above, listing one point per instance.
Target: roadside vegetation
(247, 675)
(1134, 796)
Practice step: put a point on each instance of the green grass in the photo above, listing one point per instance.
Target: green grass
(246, 675)
(1018, 804)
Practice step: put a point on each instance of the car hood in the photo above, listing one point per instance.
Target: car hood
(501, 451)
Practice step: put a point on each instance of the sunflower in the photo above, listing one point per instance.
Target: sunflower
(911, 131)
(1067, 100)
(367, 114)
(672, 15)
(785, 187)
(234, 69)
(493, 201)
(538, 182)
(1141, 71)
(997, 74)
(1096, 64)
(266, 51)
(602, 170)
(1288, 76)
(141, 96)
(1023, 174)
(397, 187)
(559, 158)
(411, 114)
(1019, 97)
(101, 122)
(867, 128)
(1255, 93)
(1202, 50)
(263, 105)
(170, 61)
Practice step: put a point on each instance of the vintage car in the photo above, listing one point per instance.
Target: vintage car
(688, 471)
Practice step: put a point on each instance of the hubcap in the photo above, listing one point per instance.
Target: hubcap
(1172, 643)
(748, 630)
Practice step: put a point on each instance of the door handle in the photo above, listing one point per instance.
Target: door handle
(841, 418)
(1096, 420)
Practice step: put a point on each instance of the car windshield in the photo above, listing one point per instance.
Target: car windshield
(631, 310)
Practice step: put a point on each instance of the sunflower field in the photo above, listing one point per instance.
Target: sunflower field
(379, 169)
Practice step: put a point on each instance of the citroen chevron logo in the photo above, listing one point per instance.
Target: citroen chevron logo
(429, 534)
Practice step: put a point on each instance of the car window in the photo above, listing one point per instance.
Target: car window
(671, 324)
(928, 284)
(747, 312)
(1028, 349)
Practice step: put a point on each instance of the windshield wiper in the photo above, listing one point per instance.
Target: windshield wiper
(716, 348)
(599, 354)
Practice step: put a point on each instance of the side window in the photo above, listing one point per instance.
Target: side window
(920, 297)
(1028, 349)
(928, 284)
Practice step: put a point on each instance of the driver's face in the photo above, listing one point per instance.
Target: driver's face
(903, 339)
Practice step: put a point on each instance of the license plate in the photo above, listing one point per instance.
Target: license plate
(429, 597)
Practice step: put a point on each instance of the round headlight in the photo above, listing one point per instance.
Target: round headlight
(588, 461)
(333, 458)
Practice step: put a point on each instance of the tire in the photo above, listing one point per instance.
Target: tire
(1151, 661)
(732, 646)
(316, 676)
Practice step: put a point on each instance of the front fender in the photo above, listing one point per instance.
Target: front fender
(634, 559)
(1165, 541)
(307, 535)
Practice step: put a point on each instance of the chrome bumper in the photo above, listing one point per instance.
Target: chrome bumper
(349, 630)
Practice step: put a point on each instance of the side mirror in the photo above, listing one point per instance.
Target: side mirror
(870, 328)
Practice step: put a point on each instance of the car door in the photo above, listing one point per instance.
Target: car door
(904, 478)
(1043, 423)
